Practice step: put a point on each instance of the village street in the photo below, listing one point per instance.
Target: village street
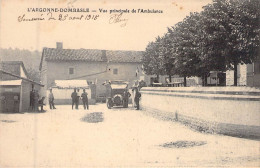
(114, 137)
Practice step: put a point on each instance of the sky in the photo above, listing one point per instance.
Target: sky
(133, 33)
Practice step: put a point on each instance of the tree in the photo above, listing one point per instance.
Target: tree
(234, 28)
(33, 74)
(224, 34)
(152, 62)
(187, 44)
(166, 54)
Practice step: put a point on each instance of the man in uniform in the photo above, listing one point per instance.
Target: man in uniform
(74, 97)
(137, 97)
(32, 99)
(108, 91)
(84, 97)
(126, 96)
(77, 102)
(51, 100)
(36, 97)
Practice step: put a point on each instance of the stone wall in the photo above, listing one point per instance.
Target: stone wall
(226, 110)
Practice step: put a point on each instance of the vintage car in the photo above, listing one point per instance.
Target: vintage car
(117, 94)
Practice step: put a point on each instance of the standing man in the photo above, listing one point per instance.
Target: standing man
(32, 99)
(126, 96)
(36, 100)
(84, 97)
(77, 102)
(51, 100)
(74, 96)
(137, 98)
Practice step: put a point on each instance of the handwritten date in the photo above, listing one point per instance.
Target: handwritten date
(60, 17)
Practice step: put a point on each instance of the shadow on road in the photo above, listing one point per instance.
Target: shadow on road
(37, 111)
(8, 121)
(94, 117)
(183, 144)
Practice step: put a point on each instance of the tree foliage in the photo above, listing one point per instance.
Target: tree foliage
(34, 74)
(223, 35)
(152, 60)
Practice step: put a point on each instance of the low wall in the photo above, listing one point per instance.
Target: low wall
(226, 110)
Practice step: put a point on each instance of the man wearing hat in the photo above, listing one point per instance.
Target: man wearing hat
(84, 97)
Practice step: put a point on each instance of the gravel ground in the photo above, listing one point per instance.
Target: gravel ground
(116, 137)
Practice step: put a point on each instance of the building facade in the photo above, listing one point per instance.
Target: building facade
(95, 66)
(15, 87)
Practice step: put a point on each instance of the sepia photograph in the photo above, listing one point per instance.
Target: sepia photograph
(129, 83)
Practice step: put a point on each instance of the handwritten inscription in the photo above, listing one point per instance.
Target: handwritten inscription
(117, 18)
(60, 17)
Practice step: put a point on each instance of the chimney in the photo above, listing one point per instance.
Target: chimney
(104, 55)
(59, 45)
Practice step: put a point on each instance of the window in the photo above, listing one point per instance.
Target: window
(115, 71)
(71, 71)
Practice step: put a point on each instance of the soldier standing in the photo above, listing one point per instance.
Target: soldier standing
(126, 98)
(137, 98)
(74, 96)
(77, 102)
(36, 99)
(51, 100)
(84, 97)
(32, 99)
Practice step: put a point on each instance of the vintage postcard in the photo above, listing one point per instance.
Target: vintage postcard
(120, 83)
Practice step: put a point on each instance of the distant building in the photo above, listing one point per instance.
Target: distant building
(15, 67)
(15, 87)
(95, 66)
(253, 73)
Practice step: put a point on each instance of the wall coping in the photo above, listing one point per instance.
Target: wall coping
(208, 90)
(220, 93)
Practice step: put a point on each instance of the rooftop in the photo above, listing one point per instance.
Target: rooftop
(54, 54)
(91, 55)
(9, 66)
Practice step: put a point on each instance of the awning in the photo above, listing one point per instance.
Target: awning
(71, 84)
(11, 83)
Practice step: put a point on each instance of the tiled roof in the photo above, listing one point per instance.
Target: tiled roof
(53, 54)
(10, 67)
(124, 56)
(19, 77)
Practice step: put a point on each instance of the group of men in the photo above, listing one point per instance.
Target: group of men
(35, 102)
(75, 96)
